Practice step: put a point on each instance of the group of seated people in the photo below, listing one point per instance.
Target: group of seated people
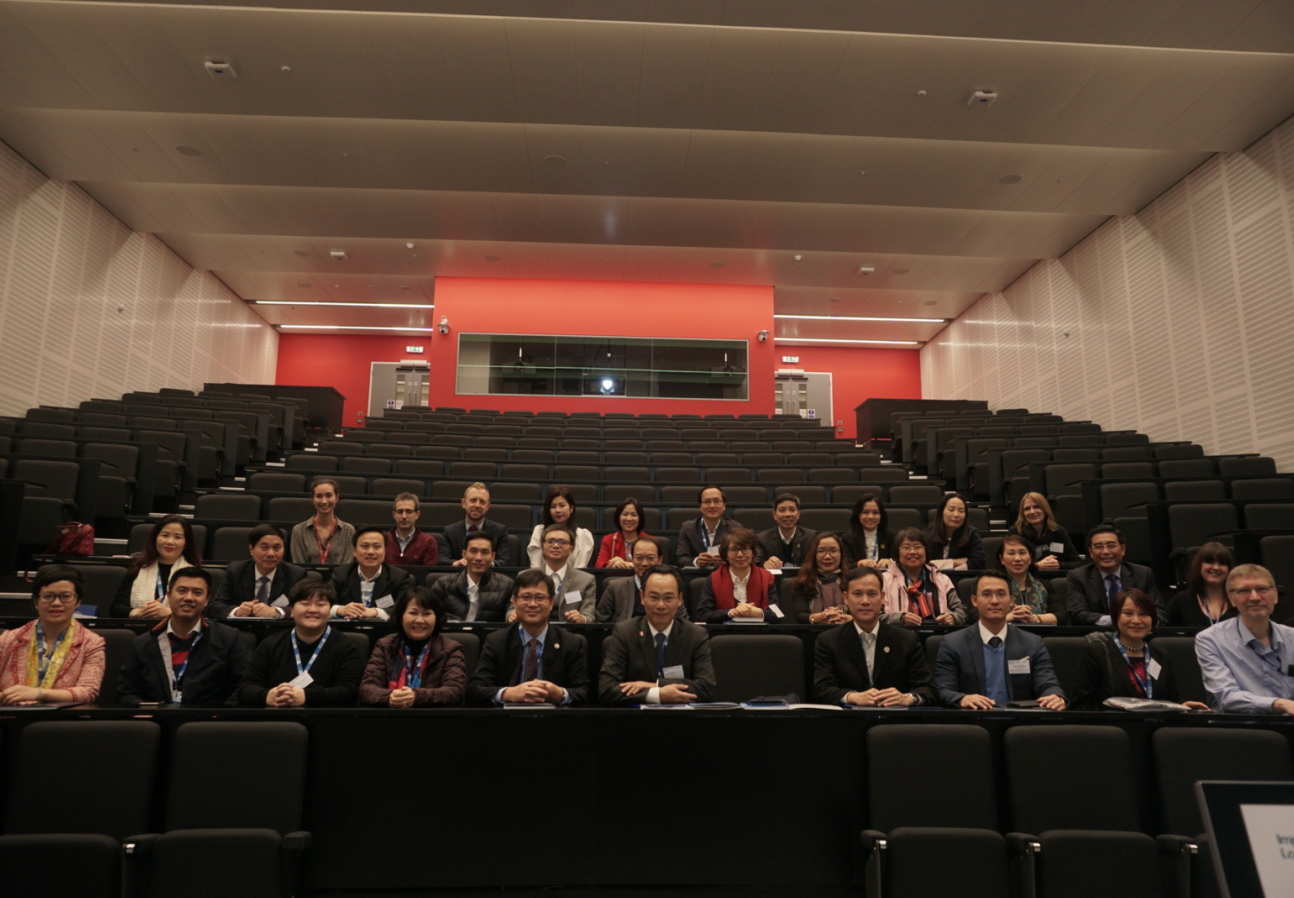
(654, 656)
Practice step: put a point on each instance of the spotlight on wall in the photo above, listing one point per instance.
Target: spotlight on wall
(443, 324)
(762, 336)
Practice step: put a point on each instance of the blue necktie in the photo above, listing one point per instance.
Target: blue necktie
(1111, 590)
(995, 672)
(661, 642)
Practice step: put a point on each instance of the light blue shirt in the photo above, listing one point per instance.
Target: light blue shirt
(1240, 673)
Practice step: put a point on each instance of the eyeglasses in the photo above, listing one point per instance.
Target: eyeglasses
(824, 550)
(557, 542)
(531, 597)
(1246, 590)
(53, 598)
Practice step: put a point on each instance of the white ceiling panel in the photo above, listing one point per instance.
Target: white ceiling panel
(701, 141)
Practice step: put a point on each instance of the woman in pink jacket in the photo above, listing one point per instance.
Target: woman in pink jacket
(53, 658)
(916, 593)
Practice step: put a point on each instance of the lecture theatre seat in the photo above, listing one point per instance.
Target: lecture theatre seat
(755, 666)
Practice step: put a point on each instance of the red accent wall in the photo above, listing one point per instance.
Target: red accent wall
(340, 361)
(859, 374)
(612, 308)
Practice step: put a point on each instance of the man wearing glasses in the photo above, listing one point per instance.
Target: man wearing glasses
(532, 662)
(575, 592)
(1247, 661)
(1093, 586)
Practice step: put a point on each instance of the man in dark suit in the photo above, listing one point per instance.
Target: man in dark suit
(367, 588)
(532, 662)
(656, 658)
(185, 659)
(476, 504)
(783, 545)
(699, 539)
(990, 664)
(622, 596)
(477, 592)
(1093, 586)
(258, 586)
(866, 662)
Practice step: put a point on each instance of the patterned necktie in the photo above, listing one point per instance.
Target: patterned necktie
(1111, 590)
(263, 590)
(661, 642)
(530, 668)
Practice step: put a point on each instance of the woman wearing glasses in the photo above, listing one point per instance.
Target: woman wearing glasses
(53, 658)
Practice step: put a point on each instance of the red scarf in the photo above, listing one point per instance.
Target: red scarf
(756, 588)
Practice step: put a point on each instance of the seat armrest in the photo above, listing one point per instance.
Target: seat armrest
(872, 840)
(136, 866)
(293, 852)
(1023, 850)
(140, 846)
(1021, 844)
(1178, 864)
(1174, 844)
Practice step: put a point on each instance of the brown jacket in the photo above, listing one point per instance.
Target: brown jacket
(443, 683)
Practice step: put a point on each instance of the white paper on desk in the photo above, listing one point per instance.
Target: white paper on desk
(807, 706)
(301, 680)
(673, 672)
(574, 597)
(526, 706)
(1270, 828)
(745, 620)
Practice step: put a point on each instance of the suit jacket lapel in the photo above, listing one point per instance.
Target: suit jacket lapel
(156, 667)
(552, 654)
(854, 652)
(977, 659)
(648, 647)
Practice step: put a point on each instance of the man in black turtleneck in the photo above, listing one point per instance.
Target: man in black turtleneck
(311, 664)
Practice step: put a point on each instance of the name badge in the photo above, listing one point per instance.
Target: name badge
(177, 696)
(1017, 666)
(574, 597)
(1153, 669)
(1057, 548)
(777, 612)
(301, 681)
(386, 601)
(281, 602)
(673, 672)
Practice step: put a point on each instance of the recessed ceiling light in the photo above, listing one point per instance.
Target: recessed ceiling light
(863, 318)
(350, 305)
(408, 244)
(554, 161)
(798, 257)
(866, 269)
(1010, 179)
(825, 340)
(285, 68)
(185, 150)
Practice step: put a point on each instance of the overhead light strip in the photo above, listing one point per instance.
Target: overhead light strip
(350, 305)
(864, 318)
(353, 327)
(826, 340)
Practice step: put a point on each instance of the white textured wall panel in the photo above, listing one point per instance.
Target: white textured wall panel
(88, 308)
(1178, 321)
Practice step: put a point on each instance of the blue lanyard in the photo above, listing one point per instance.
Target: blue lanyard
(177, 676)
(413, 674)
(1147, 685)
(43, 661)
(296, 652)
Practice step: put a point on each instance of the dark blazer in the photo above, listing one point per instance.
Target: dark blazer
(839, 665)
(215, 672)
(240, 586)
(618, 598)
(443, 682)
(495, 593)
(972, 550)
(628, 653)
(1184, 611)
(1105, 674)
(1041, 543)
(336, 672)
(770, 544)
(390, 581)
(456, 537)
(856, 546)
(1088, 601)
(707, 611)
(565, 662)
(959, 666)
(691, 541)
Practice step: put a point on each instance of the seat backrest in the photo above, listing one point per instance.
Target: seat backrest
(1194, 490)
(229, 544)
(39, 447)
(750, 666)
(1184, 755)
(1089, 796)
(916, 494)
(1269, 516)
(471, 644)
(1278, 556)
(139, 536)
(1180, 652)
(1128, 470)
(44, 798)
(363, 465)
(1267, 489)
(122, 457)
(228, 507)
(1247, 466)
(365, 512)
(896, 798)
(205, 790)
(100, 582)
(1063, 479)
(1191, 524)
(1187, 468)
(832, 519)
(1067, 654)
(1118, 499)
(289, 509)
(276, 482)
(311, 462)
(117, 650)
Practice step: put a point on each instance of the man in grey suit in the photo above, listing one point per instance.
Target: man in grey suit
(622, 596)
(990, 664)
(1093, 586)
(657, 659)
(576, 590)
